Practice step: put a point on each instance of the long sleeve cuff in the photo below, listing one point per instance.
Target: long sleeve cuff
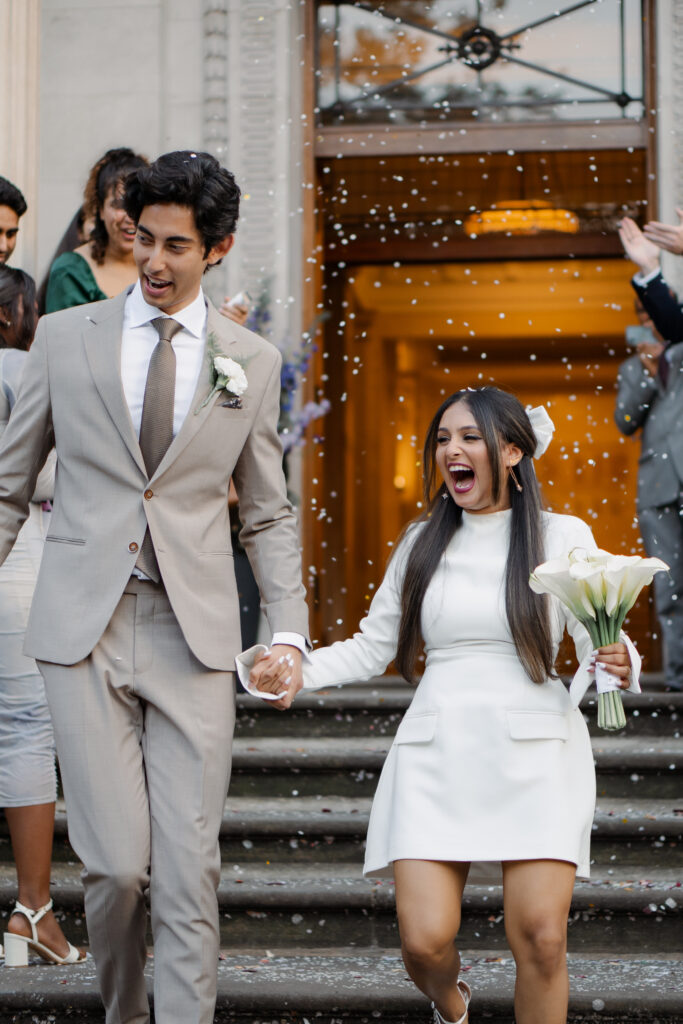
(292, 640)
(644, 279)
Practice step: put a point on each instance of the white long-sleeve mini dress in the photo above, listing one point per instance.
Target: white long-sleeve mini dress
(486, 765)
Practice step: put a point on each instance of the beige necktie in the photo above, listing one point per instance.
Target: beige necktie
(156, 427)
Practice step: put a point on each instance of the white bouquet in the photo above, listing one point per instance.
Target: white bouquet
(599, 589)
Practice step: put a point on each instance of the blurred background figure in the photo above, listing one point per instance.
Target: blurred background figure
(103, 265)
(77, 232)
(650, 399)
(27, 758)
(12, 207)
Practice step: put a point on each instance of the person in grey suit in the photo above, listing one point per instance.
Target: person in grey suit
(153, 402)
(650, 399)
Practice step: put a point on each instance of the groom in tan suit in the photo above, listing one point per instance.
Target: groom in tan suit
(153, 402)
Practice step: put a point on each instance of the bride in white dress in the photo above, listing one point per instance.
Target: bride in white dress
(491, 768)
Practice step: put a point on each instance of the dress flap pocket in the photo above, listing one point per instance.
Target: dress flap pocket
(417, 728)
(538, 725)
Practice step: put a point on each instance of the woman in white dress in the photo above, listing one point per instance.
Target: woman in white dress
(491, 766)
(27, 751)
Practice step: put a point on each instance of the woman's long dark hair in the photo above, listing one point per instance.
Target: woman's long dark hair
(109, 173)
(502, 420)
(18, 305)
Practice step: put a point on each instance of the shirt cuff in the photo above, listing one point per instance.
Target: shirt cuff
(292, 639)
(644, 279)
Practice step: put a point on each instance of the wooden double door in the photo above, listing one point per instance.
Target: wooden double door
(399, 340)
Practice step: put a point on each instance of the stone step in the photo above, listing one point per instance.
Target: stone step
(290, 830)
(349, 766)
(332, 904)
(360, 987)
(375, 709)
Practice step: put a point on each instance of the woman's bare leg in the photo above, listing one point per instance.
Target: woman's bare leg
(428, 902)
(31, 829)
(537, 897)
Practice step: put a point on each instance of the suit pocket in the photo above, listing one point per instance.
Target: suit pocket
(64, 540)
(538, 725)
(417, 728)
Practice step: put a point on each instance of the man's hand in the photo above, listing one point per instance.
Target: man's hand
(637, 247)
(649, 353)
(279, 671)
(666, 236)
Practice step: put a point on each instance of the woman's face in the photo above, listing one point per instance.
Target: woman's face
(463, 461)
(120, 228)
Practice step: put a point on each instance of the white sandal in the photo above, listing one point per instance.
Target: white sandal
(466, 993)
(17, 946)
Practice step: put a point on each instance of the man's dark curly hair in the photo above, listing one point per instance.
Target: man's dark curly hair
(12, 197)
(189, 179)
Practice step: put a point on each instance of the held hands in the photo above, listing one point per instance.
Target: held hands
(637, 247)
(614, 658)
(277, 671)
(666, 236)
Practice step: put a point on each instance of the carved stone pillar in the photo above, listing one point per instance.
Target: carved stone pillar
(252, 123)
(19, 90)
(669, 103)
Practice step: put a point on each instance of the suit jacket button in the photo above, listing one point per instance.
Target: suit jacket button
(149, 494)
(132, 546)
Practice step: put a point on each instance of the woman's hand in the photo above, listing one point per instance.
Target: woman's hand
(279, 672)
(614, 658)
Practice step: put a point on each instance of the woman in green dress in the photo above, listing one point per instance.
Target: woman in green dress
(103, 266)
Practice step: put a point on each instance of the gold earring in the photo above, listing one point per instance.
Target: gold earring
(514, 479)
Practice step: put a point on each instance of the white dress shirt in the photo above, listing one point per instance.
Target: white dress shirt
(138, 340)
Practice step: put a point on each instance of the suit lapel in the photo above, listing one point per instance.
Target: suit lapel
(196, 417)
(102, 340)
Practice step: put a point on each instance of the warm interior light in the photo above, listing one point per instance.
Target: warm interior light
(522, 217)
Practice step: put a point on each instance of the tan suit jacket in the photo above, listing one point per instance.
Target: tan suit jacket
(72, 397)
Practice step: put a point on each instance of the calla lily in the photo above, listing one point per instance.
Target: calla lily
(625, 582)
(553, 577)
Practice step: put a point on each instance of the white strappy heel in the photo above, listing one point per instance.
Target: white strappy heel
(466, 993)
(17, 946)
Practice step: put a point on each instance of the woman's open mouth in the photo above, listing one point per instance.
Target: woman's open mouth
(462, 477)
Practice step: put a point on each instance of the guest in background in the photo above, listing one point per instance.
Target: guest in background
(650, 399)
(77, 232)
(12, 207)
(103, 266)
(27, 756)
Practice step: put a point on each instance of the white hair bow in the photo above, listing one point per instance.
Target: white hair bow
(543, 428)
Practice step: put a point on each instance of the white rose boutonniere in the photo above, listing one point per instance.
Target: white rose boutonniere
(228, 375)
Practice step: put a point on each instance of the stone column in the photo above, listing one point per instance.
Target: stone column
(253, 123)
(19, 90)
(669, 59)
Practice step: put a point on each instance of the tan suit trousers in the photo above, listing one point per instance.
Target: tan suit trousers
(144, 738)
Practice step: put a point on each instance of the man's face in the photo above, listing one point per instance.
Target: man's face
(169, 255)
(9, 229)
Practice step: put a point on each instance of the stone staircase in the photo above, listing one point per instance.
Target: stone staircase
(306, 937)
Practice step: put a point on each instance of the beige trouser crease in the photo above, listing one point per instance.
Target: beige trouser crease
(144, 734)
